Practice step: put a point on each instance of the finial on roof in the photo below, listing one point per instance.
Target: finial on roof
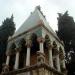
(38, 7)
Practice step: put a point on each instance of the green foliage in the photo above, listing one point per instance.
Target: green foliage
(66, 32)
(6, 29)
(66, 27)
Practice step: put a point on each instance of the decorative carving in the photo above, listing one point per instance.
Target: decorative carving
(56, 52)
(18, 43)
(18, 49)
(12, 49)
(55, 48)
(40, 39)
(61, 55)
(48, 42)
(54, 45)
(40, 57)
(28, 42)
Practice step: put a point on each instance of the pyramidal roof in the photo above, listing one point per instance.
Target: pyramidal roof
(33, 21)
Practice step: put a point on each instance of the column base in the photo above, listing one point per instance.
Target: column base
(5, 68)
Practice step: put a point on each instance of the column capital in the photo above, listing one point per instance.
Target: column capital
(56, 51)
(28, 43)
(40, 39)
(7, 54)
(62, 57)
(49, 46)
(18, 49)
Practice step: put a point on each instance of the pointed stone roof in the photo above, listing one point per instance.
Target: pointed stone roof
(33, 21)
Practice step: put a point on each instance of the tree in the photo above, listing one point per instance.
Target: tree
(66, 32)
(6, 29)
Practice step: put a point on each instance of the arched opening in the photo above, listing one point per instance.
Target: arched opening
(22, 57)
(34, 48)
(12, 56)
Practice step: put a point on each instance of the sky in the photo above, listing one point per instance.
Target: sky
(21, 10)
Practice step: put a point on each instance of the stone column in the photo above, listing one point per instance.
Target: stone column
(28, 52)
(63, 61)
(62, 58)
(40, 53)
(17, 58)
(57, 58)
(28, 43)
(57, 62)
(7, 60)
(28, 57)
(50, 56)
(41, 42)
(64, 67)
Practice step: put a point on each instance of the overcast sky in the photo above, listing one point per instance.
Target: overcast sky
(21, 9)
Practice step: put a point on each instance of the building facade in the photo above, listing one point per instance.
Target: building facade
(35, 49)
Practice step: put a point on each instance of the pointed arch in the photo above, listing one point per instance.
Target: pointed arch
(22, 57)
(34, 48)
(33, 37)
(35, 45)
(20, 42)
